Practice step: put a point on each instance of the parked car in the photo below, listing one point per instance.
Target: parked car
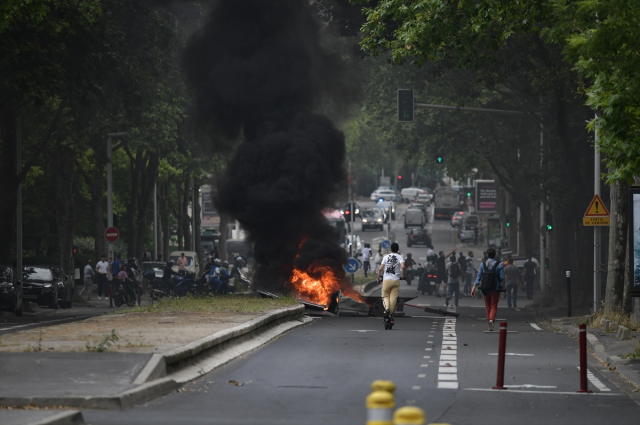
(418, 236)
(193, 265)
(372, 219)
(389, 207)
(471, 220)
(466, 233)
(456, 220)
(410, 194)
(414, 217)
(385, 195)
(11, 295)
(47, 285)
(347, 210)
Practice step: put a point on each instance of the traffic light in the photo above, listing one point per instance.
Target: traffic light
(405, 105)
(548, 221)
(440, 159)
(399, 177)
(75, 251)
(508, 223)
(468, 194)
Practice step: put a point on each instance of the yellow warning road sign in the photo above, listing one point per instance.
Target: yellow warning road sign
(595, 221)
(597, 214)
(596, 208)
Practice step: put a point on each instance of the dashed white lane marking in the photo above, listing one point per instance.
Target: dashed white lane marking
(424, 365)
(427, 349)
(448, 370)
(415, 387)
(422, 375)
(427, 357)
(530, 386)
(596, 382)
(361, 330)
(542, 392)
(536, 327)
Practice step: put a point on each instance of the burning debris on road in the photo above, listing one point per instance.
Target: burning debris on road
(259, 72)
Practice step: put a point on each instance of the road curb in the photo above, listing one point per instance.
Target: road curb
(153, 382)
(598, 348)
(25, 417)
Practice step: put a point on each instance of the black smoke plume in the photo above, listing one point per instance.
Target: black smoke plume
(259, 72)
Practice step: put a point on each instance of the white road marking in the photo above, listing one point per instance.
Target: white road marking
(447, 357)
(536, 327)
(447, 370)
(427, 349)
(448, 385)
(35, 324)
(448, 363)
(415, 387)
(424, 365)
(429, 342)
(447, 377)
(539, 392)
(513, 354)
(596, 382)
(361, 330)
(427, 357)
(497, 331)
(422, 375)
(530, 386)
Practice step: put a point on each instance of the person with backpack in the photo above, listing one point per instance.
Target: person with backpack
(441, 271)
(454, 272)
(529, 274)
(511, 278)
(490, 276)
(468, 274)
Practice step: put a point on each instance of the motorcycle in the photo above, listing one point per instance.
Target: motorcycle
(409, 275)
(178, 286)
(124, 292)
(428, 275)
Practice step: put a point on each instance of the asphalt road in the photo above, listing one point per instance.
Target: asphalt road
(321, 373)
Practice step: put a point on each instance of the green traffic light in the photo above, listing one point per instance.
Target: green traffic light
(549, 227)
(469, 194)
(508, 224)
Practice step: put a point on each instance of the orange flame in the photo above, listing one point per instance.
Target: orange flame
(319, 290)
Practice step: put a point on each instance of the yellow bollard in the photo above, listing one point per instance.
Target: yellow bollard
(383, 386)
(380, 406)
(409, 415)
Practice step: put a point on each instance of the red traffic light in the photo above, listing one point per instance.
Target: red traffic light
(400, 177)
(75, 250)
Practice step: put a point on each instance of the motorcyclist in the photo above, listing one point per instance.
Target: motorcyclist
(409, 262)
(221, 276)
(168, 272)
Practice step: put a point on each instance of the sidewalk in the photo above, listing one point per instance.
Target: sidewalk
(607, 346)
(155, 354)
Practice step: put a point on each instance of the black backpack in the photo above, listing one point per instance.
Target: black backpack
(463, 263)
(454, 270)
(489, 278)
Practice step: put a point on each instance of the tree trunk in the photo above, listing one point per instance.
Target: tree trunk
(149, 174)
(617, 248)
(8, 183)
(96, 187)
(165, 192)
(186, 220)
(222, 243)
(135, 165)
(197, 233)
(179, 213)
(65, 207)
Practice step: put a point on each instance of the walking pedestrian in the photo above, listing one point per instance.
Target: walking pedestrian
(88, 281)
(366, 258)
(462, 262)
(529, 274)
(537, 270)
(115, 266)
(393, 267)
(102, 268)
(146, 255)
(441, 271)
(454, 272)
(511, 278)
(490, 275)
(378, 259)
(468, 273)
(182, 261)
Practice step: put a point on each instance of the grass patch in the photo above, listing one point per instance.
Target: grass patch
(106, 343)
(635, 354)
(620, 318)
(211, 304)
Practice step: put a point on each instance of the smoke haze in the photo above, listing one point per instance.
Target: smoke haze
(258, 72)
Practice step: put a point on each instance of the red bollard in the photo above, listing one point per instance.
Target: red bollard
(110, 294)
(139, 290)
(501, 355)
(583, 359)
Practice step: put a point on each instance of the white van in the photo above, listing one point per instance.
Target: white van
(410, 194)
(193, 265)
(414, 218)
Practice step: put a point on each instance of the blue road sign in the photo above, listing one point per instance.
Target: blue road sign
(386, 244)
(352, 266)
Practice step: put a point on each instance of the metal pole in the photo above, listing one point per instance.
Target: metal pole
(350, 218)
(110, 253)
(597, 290)
(155, 221)
(517, 231)
(19, 206)
(193, 215)
(568, 293)
(543, 253)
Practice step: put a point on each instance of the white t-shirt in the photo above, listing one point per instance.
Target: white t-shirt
(102, 266)
(536, 263)
(366, 254)
(392, 264)
(430, 252)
